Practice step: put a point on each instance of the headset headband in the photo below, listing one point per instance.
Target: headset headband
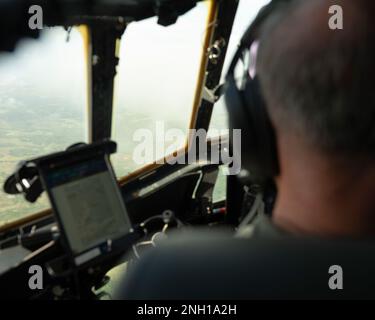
(250, 35)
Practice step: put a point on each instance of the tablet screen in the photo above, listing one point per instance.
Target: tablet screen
(88, 202)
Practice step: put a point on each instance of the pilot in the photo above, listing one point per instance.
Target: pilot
(317, 84)
(317, 88)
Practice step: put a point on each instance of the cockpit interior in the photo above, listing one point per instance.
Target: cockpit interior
(118, 166)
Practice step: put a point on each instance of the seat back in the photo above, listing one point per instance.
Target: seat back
(216, 266)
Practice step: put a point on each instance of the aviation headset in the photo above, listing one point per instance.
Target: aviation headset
(247, 111)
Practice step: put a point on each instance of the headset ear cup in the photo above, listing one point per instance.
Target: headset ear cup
(247, 111)
(264, 155)
(239, 118)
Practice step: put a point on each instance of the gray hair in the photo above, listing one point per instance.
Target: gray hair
(319, 82)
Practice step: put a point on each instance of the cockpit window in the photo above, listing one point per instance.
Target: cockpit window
(42, 106)
(43, 95)
(155, 87)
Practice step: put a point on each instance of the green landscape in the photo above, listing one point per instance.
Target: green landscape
(51, 126)
(31, 126)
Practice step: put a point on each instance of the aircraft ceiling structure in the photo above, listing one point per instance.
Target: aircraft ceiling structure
(15, 14)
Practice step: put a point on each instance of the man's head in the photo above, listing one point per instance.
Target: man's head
(319, 82)
(318, 87)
